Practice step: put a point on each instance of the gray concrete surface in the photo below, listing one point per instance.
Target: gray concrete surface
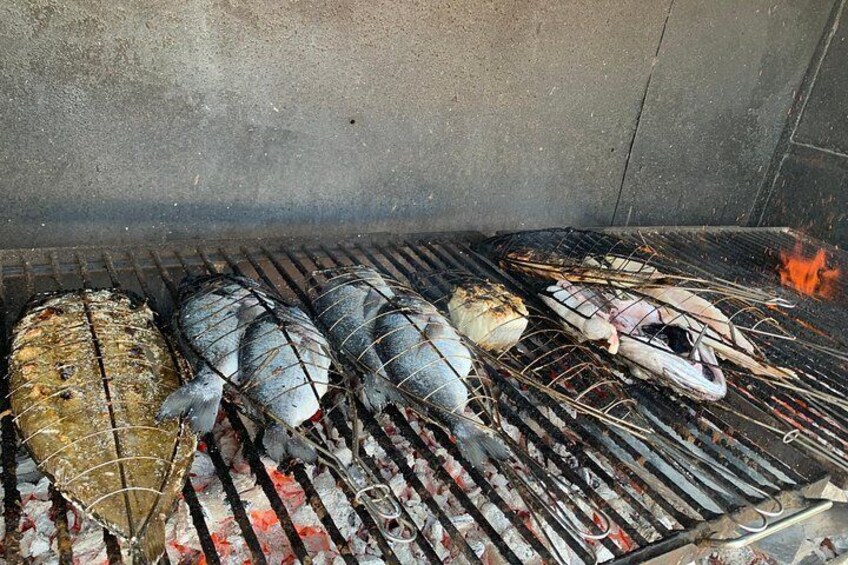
(162, 120)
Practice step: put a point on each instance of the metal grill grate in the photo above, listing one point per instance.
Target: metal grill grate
(654, 504)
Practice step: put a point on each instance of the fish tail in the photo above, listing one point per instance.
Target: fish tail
(478, 445)
(198, 400)
(151, 546)
(279, 444)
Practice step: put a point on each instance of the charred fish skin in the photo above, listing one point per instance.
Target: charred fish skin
(214, 313)
(348, 305)
(488, 314)
(426, 360)
(87, 369)
(284, 362)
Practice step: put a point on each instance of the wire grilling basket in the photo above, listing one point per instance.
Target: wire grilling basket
(277, 363)
(664, 313)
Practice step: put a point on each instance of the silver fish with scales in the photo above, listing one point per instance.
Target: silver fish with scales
(244, 337)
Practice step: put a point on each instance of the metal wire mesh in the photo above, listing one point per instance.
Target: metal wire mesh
(645, 494)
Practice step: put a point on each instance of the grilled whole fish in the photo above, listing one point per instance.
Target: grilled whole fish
(411, 354)
(284, 364)
(696, 312)
(87, 369)
(656, 343)
(215, 311)
(348, 305)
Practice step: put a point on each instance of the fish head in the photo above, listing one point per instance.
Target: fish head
(701, 379)
(598, 329)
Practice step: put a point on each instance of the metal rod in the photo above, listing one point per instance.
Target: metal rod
(789, 521)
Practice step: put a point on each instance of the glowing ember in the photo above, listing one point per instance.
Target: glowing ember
(808, 275)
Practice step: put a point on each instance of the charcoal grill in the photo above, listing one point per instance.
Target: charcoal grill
(655, 507)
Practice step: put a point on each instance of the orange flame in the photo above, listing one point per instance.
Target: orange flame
(810, 276)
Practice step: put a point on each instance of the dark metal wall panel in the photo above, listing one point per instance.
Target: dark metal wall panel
(130, 122)
(808, 188)
(717, 101)
(811, 194)
(825, 120)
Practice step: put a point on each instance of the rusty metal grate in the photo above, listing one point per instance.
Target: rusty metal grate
(654, 504)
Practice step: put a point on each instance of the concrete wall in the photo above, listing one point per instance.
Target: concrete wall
(164, 119)
(809, 185)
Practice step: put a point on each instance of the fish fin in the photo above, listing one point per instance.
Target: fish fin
(280, 444)
(151, 546)
(377, 393)
(478, 445)
(299, 449)
(198, 400)
(276, 440)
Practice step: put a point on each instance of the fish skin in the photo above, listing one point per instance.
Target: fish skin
(582, 310)
(347, 305)
(424, 357)
(651, 358)
(62, 348)
(215, 311)
(624, 321)
(284, 364)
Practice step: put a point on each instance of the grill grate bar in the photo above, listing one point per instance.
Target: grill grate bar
(11, 494)
(199, 522)
(299, 472)
(59, 514)
(422, 450)
(267, 485)
(113, 548)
